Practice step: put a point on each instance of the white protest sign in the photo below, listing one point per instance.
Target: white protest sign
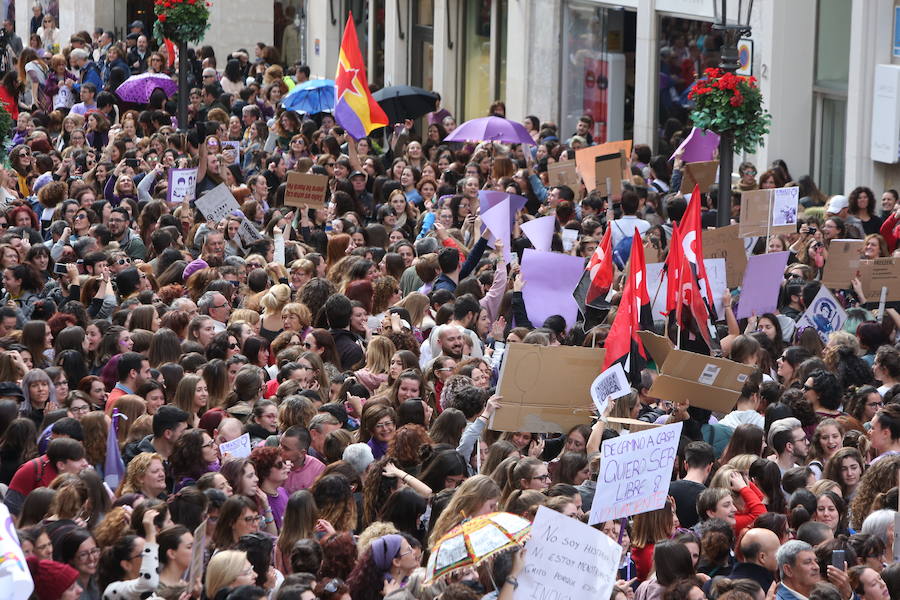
(784, 206)
(566, 560)
(825, 314)
(635, 471)
(718, 281)
(239, 447)
(235, 148)
(218, 203)
(611, 383)
(569, 237)
(182, 185)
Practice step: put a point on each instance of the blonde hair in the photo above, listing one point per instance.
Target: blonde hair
(224, 567)
(244, 315)
(468, 498)
(137, 468)
(742, 462)
(417, 305)
(826, 485)
(379, 353)
(375, 530)
(185, 392)
(301, 310)
(275, 299)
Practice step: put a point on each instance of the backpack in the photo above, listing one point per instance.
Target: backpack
(716, 436)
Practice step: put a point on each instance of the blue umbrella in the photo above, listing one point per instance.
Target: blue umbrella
(311, 97)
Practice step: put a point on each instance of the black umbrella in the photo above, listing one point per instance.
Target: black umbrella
(405, 102)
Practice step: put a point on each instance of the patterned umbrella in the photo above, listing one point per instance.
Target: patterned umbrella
(474, 541)
(138, 88)
(311, 97)
(491, 129)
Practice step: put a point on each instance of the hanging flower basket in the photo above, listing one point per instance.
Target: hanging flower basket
(181, 20)
(725, 102)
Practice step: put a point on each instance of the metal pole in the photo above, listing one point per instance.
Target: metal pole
(729, 64)
(182, 85)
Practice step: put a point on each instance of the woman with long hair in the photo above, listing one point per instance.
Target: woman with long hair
(478, 495)
(228, 569)
(334, 498)
(192, 396)
(272, 472)
(378, 358)
(301, 518)
(237, 516)
(389, 558)
(321, 342)
(175, 551)
(649, 529)
(826, 440)
(119, 581)
(17, 445)
(193, 455)
(215, 374)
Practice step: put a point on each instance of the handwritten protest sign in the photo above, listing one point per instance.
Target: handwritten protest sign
(824, 314)
(724, 243)
(182, 185)
(567, 560)
(218, 203)
(608, 173)
(305, 189)
(563, 173)
(239, 447)
(879, 273)
(610, 384)
(635, 471)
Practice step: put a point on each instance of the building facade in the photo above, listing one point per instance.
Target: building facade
(558, 59)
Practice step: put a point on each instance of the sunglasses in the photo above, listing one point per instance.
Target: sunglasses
(123, 261)
(234, 346)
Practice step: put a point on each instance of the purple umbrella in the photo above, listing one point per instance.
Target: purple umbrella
(491, 129)
(138, 88)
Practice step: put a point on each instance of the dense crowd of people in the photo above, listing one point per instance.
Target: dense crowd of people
(358, 348)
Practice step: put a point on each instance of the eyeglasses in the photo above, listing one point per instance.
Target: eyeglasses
(384, 425)
(544, 477)
(123, 261)
(79, 409)
(250, 518)
(879, 404)
(800, 439)
(208, 444)
(86, 554)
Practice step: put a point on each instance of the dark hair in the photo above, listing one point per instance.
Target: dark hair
(110, 568)
(167, 417)
(698, 455)
(828, 388)
(169, 539)
(258, 547)
(673, 562)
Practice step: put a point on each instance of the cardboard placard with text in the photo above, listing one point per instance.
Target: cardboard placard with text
(546, 389)
(704, 381)
(761, 214)
(699, 173)
(842, 263)
(305, 189)
(608, 174)
(564, 173)
(724, 242)
(584, 160)
(878, 273)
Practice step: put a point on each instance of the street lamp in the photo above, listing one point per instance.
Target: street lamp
(732, 31)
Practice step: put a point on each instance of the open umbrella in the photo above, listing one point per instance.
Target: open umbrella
(137, 88)
(311, 97)
(405, 102)
(491, 129)
(474, 541)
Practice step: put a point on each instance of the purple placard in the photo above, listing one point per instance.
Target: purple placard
(496, 219)
(550, 278)
(540, 232)
(762, 282)
(699, 146)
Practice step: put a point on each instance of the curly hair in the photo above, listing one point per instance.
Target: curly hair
(366, 580)
(338, 555)
(407, 442)
(880, 477)
(335, 501)
(377, 487)
(137, 468)
(186, 460)
(265, 459)
(114, 525)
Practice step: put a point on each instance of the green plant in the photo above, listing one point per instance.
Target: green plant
(181, 20)
(6, 128)
(726, 102)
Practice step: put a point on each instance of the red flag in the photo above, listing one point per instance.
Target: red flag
(171, 51)
(673, 268)
(692, 241)
(689, 293)
(600, 268)
(623, 342)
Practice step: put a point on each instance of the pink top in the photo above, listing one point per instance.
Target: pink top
(302, 478)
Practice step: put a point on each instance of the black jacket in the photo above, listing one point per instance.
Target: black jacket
(349, 348)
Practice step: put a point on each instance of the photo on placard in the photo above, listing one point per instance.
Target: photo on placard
(784, 208)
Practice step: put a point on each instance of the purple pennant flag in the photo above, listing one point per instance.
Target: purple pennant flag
(113, 466)
(540, 232)
(496, 219)
(488, 199)
(762, 282)
(699, 146)
(550, 278)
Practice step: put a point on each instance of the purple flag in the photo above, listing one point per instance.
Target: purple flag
(550, 278)
(762, 282)
(113, 466)
(540, 232)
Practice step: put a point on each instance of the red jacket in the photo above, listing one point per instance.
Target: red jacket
(890, 231)
(753, 507)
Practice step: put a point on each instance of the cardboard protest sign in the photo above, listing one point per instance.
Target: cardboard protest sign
(762, 283)
(567, 559)
(842, 263)
(218, 203)
(699, 146)
(305, 189)
(182, 185)
(635, 471)
(239, 447)
(608, 174)
(550, 278)
(704, 381)
(769, 212)
(878, 273)
(699, 173)
(584, 160)
(724, 243)
(824, 314)
(563, 173)
(632, 425)
(609, 385)
(546, 388)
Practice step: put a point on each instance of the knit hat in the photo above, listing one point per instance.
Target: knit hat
(384, 550)
(51, 578)
(193, 267)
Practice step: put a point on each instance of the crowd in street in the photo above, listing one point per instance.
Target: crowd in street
(307, 414)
